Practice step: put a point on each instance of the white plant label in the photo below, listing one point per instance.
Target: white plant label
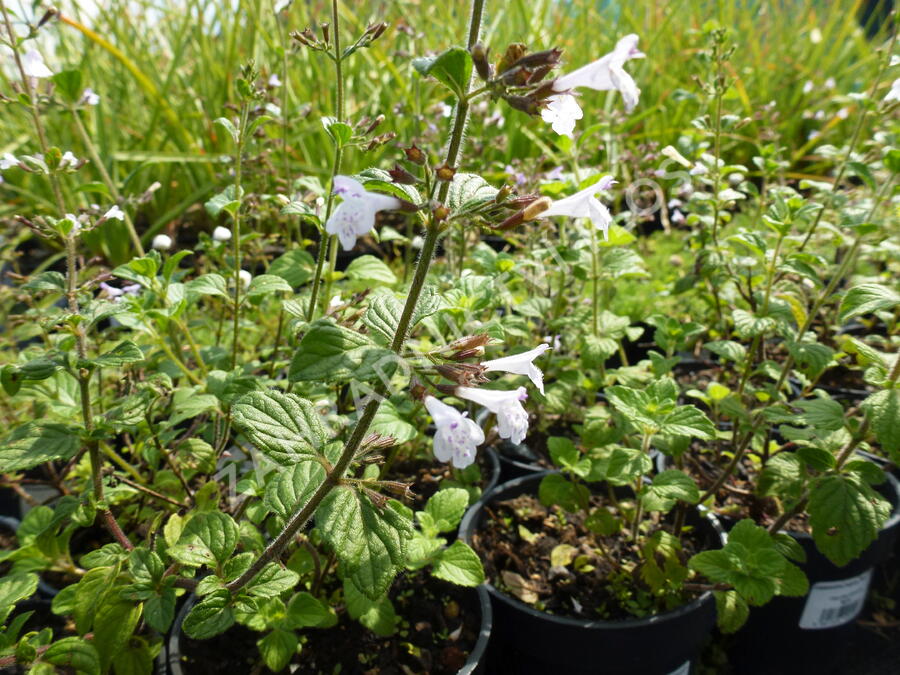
(683, 669)
(834, 603)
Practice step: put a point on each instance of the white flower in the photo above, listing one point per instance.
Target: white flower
(356, 214)
(830, 83)
(444, 109)
(274, 81)
(114, 213)
(584, 204)
(8, 161)
(892, 95)
(520, 364)
(221, 233)
(815, 36)
(68, 160)
(162, 242)
(561, 113)
(115, 294)
(246, 278)
(76, 225)
(808, 86)
(512, 420)
(90, 97)
(607, 73)
(457, 437)
(677, 217)
(34, 66)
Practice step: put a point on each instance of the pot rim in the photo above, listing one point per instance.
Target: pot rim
(467, 528)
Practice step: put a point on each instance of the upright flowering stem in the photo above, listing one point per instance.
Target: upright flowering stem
(236, 233)
(361, 428)
(853, 141)
(107, 179)
(83, 375)
(330, 241)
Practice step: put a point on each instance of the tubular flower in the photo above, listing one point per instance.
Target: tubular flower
(457, 436)
(584, 204)
(607, 73)
(512, 420)
(520, 364)
(561, 113)
(356, 214)
(34, 66)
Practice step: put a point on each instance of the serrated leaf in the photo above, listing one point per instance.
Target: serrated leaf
(341, 134)
(556, 490)
(883, 410)
(377, 615)
(122, 354)
(35, 443)
(296, 267)
(159, 610)
(229, 200)
(468, 192)
(332, 353)
(285, 427)
(688, 420)
(278, 647)
(46, 281)
(845, 515)
(209, 617)
(272, 581)
(811, 356)
(368, 268)
(90, 594)
(867, 299)
(383, 315)
(14, 588)
(370, 542)
(452, 68)
(75, 653)
(267, 284)
(208, 284)
(113, 626)
(305, 611)
(822, 413)
(209, 538)
(748, 325)
(732, 611)
(728, 349)
(668, 488)
(447, 507)
(387, 422)
(459, 565)
(291, 489)
(228, 125)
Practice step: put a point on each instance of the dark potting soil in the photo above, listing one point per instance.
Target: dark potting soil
(8, 542)
(440, 626)
(424, 476)
(602, 580)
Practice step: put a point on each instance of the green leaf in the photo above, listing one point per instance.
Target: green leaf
(452, 68)
(556, 490)
(340, 133)
(447, 507)
(332, 353)
(883, 409)
(296, 267)
(625, 465)
(370, 542)
(688, 420)
(566, 456)
(291, 489)
(469, 192)
(272, 581)
(747, 325)
(867, 299)
(228, 125)
(68, 83)
(459, 565)
(208, 284)
(285, 427)
(159, 610)
(211, 616)
(113, 626)
(383, 315)
(37, 443)
(74, 652)
(668, 488)
(46, 281)
(90, 593)
(209, 538)
(229, 200)
(122, 354)
(267, 284)
(377, 615)
(369, 269)
(731, 609)
(387, 422)
(812, 356)
(13, 588)
(727, 349)
(305, 611)
(823, 414)
(845, 515)
(278, 647)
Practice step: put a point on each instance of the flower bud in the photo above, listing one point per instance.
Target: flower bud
(502, 194)
(378, 120)
(415, 155)
(441, 213)
(325, 33)
(402, 176)
(480, 55)
(513, 53)
(530, 212)
(221, 233)
(539, 74)
(469, 342)
(524, 103)
(549, 57)
(376, 30)
(162, 242)
(49, 14)
(445, 173)
(465, 374)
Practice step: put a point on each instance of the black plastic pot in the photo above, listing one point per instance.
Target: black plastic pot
(527, 641)
(810, 634)
(475, 664)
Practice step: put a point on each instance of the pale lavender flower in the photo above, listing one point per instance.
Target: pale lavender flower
(520, 364)
(894, 93)
(584, 204)
(274, 81)
(8, 161)
(607, 73)
(115, 213)
(561, 113)
(512, 420)
(34, 66)
(356, 214)
(457, 437)
(68, 160)
(90, 97)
